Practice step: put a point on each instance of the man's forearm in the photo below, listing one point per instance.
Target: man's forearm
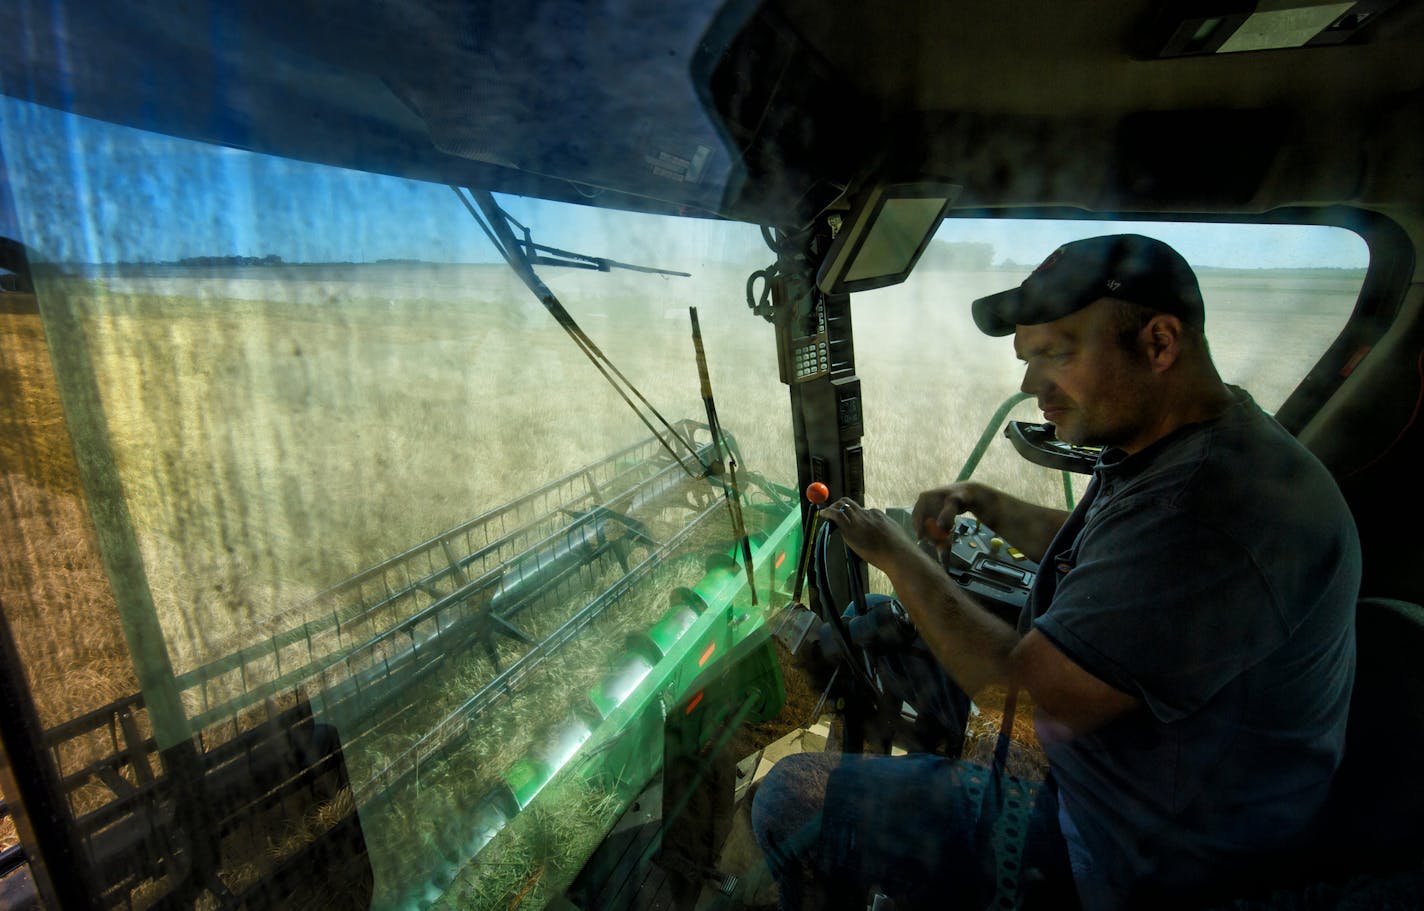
(970, 643)
(975, 647)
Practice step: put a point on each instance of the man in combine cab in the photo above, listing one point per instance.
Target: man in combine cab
(1189, 646)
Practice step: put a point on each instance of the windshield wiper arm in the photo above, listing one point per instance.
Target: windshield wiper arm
(572, 260)
(496, 225)
(581, 261)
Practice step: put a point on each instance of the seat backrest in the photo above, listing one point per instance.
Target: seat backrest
(1375, 820)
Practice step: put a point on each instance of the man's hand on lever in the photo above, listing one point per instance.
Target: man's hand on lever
(935, 510)
(1027, 526)
(975, 647)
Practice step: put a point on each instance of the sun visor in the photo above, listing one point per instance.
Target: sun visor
(789, 121)
(603, 102)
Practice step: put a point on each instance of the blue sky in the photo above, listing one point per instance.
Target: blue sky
(80, 190)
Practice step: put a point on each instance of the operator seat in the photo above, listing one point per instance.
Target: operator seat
(1371, 848)
(1375, 818)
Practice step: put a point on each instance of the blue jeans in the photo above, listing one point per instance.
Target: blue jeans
(835, 826)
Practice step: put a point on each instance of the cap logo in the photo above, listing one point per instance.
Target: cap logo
(1114, 284)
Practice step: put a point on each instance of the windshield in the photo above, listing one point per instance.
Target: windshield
(342, 465)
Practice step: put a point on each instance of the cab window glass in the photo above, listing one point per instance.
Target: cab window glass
(1276, 297)
(296, 463)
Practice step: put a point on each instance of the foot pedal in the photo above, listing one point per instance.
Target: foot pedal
(726, 883)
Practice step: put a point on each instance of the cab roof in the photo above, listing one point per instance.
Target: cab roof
(762, 112)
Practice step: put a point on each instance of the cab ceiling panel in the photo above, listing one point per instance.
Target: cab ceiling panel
(542, 98)
(1067, 104)
(1073, 60)
(758, 111)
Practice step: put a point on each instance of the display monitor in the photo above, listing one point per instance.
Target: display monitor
(883, 236)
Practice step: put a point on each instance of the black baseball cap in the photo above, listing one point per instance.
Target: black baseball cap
(1129, 267)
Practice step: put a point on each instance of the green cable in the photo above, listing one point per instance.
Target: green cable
(988, 436)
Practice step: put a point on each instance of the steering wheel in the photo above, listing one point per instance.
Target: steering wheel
(856, 628)
(836, 574)
(888, 663)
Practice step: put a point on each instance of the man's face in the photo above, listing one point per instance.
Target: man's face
(1096, 392)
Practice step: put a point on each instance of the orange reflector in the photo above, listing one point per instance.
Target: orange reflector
(1354, 360)
(780, 559)
(695, 700)
(711, 647)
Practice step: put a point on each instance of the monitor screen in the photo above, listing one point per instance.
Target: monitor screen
(884, 235)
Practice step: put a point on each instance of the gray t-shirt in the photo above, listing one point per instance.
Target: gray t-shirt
(1214, 575)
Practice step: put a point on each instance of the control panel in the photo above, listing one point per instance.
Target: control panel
(988, 567)
(984, 564)
(803, 347)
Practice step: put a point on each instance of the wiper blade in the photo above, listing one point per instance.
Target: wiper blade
(496, 225)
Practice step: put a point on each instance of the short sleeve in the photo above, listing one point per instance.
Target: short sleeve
(1156, 604)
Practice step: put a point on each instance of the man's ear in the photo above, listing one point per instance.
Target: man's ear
(1161, 341)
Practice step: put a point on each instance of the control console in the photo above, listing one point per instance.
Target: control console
(988, 567)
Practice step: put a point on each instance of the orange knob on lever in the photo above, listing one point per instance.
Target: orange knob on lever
(817, 494)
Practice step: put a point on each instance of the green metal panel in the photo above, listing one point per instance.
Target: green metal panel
(623, 752)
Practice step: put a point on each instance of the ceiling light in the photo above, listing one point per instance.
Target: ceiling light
(1226, 27)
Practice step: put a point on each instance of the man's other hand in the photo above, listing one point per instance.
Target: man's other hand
(935, 510)
(1027, 526)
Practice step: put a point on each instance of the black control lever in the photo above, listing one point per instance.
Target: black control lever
(988, 567)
